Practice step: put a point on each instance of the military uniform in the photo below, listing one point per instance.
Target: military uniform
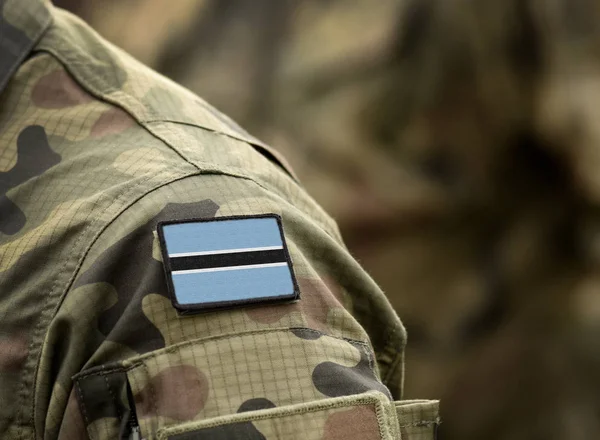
(96, 151)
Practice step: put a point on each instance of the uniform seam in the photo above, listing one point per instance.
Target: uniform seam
(112, 396)
(56, 297)
(70, 65)
(176, 347)
(354, 401)
(83, 408)
(102, 372)
(25, 51)
(38, 327)
(120, 196)
(369, 352)
(152, 394)
(397, 361)
(398, 356)
(139, 360)
(283, 169)
(321, 225)
(381, 420)
(422, 423)
(50, 310)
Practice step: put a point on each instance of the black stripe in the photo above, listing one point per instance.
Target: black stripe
(224, 260)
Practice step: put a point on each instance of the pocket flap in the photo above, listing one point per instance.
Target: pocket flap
(368, 416)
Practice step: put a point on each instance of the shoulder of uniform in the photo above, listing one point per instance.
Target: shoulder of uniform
(151, 99)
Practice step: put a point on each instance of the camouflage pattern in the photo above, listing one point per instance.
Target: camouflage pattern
(480, 220)
(369, 416)
(95, 150)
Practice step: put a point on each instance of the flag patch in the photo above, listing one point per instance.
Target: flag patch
(226, 262)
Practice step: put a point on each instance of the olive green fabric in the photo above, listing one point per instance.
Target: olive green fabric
(368, 416)
(95, 150)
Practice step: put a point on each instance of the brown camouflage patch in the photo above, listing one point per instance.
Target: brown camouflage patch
(112, 121)
(316, 301)
(359, 422)
(58, 90)
(73, 426)
(179, 392)
(13, 352)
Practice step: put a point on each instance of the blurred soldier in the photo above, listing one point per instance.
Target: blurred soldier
(496, 103)
(162, 273)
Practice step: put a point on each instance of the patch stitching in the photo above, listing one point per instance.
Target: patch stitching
(184, 309)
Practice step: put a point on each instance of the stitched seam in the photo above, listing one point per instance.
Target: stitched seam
(397, 362)
(424, 423)
(69, 63)
(370, 358)
(379, 413)
(321, 406)
(249, 139)
(153, 397)
(79, 264)
(275, 193)
(17, 62)
(83, 408)
(397, 359)
(100, 373)
(112, 396)
(350, 340)
(176, 347)
(39, 329)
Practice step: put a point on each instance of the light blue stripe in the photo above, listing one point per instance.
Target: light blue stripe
(232, 285)
(222, 234)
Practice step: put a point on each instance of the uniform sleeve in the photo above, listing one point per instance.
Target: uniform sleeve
(147, 370)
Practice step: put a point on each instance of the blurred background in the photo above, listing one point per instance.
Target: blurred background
(455, 144)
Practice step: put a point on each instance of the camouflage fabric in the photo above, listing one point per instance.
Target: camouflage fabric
(370, 416)
(95, 150)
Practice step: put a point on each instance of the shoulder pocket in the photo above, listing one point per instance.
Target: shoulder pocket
(366, 416)
(266, 384)
(205, 379)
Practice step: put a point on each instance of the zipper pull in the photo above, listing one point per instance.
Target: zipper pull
(135, 433)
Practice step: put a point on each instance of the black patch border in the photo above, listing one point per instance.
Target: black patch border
(188, 309)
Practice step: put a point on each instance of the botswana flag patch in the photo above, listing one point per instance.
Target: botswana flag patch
(226, 262)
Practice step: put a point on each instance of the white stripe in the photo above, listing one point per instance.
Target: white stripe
(224, 251)
(219, 269)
